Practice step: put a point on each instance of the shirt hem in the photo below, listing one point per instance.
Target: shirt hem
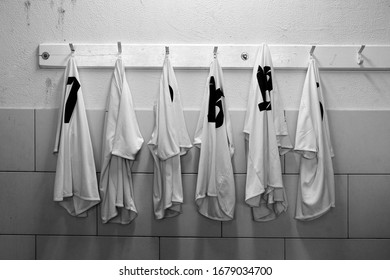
(314, 216)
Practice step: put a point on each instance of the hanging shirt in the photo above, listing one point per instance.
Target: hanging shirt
(122, 140)
(168, 143)
(316, 190)
(267, 137)
(75, 186)
(215, 190)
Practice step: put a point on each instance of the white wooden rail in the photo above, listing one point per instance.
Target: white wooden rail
(329, 57)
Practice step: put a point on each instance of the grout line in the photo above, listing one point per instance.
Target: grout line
(97, 220)
(351, 174)
(285, 164)
(21, 171)
(159, 247)
(35, 247)
(348, 236)
(35, 139)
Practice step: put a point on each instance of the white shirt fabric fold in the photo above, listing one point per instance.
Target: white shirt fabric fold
(266, 138)
(169, 141)
(316, 189)
(75, 186)
(215, 188)
(122, 140)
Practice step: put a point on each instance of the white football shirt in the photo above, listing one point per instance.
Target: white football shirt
(316, 189)
(264, 126)
(215, 189)
(75, 186)
(169, 141)
(122, 140)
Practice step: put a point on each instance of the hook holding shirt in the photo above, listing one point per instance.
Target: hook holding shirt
(359, 56)
(312, 51)
(119, 47)
(215, 51)
(71, 48)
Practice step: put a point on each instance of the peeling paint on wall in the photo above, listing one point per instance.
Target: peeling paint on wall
(48, 84)
(27, 7)
(61, 16)
(49, 89)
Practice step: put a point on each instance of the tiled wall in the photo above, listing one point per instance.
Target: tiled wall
(32, 226)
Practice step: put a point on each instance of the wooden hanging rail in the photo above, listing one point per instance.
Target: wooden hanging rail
(329, 57)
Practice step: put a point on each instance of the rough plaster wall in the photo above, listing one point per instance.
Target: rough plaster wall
(27, 23)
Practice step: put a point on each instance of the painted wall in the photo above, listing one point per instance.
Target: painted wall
(26, 24)
(32, 226)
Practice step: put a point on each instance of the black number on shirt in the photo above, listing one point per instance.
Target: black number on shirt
(215, 100)
(264, 79)
(171, 92)
(72, 98)
(321, 107)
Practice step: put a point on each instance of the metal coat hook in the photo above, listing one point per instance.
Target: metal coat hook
(359, 56)
(166, 50)
(71, 47)
(215, 51)
(312, 51)
(119, 48)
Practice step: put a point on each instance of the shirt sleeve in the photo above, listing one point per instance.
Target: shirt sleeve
(251, 107)
(201, 119)
(305, 138)
(128, 139)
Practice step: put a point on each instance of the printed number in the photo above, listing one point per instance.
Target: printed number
(171, 92)
(227, 270)
(264, 79)
(248, 271)
(72, 98)
(215, 100)
(264, 270)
